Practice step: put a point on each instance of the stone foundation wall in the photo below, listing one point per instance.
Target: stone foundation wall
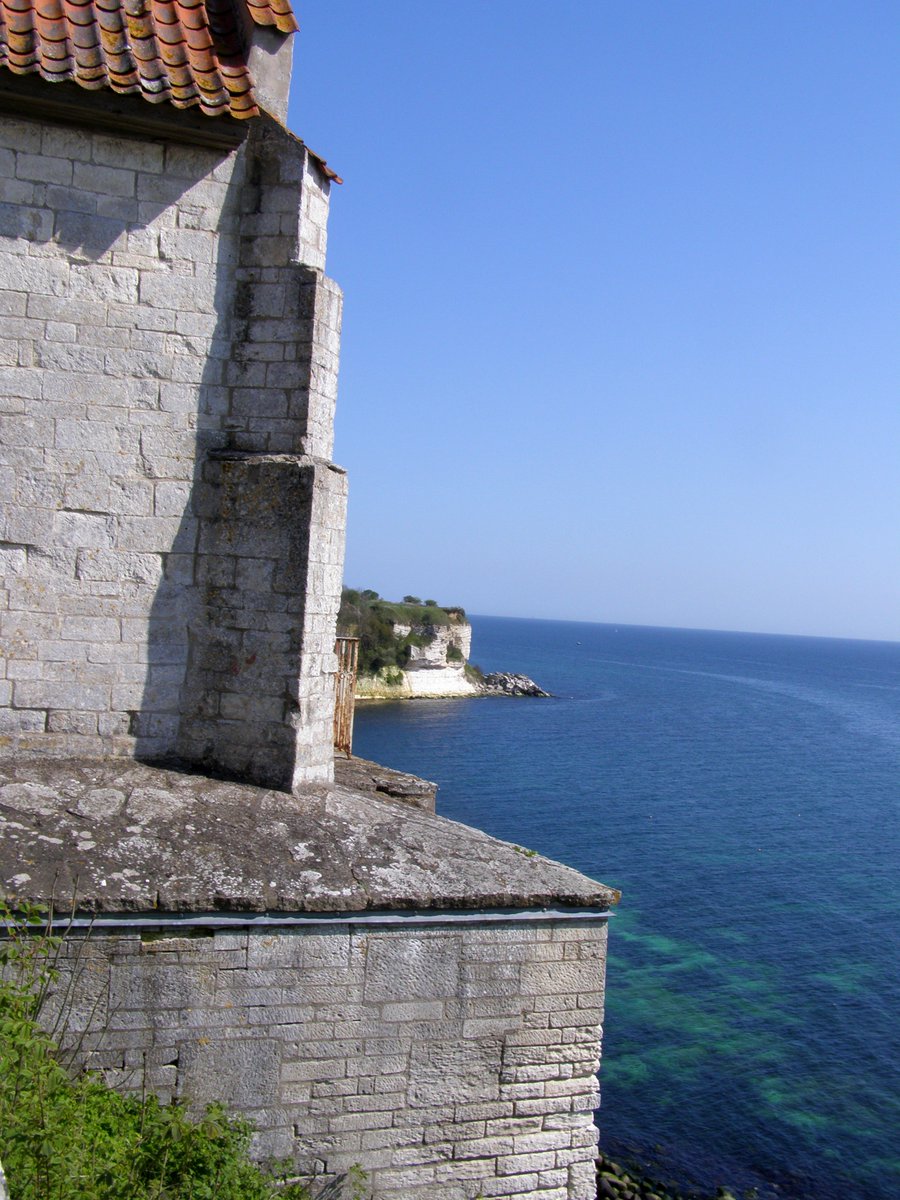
(160, 304)
(449, 1061)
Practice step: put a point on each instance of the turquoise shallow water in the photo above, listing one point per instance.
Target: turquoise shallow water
(742, 790)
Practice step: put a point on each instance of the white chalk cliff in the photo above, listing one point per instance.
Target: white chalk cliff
(436, 668)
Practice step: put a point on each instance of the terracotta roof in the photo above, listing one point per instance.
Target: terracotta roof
(189, 52)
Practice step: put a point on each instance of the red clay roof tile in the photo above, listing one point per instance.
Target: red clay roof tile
(273, 12)
(189, 52)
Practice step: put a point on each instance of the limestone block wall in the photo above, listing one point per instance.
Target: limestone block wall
(161, 304)
(450, 1061)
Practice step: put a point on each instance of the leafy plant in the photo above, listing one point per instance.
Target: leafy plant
(65, 1135)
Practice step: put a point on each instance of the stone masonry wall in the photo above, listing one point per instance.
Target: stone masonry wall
(270, 550)
(160, 305)
(450, 1061)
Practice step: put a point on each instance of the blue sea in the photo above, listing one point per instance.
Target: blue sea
(742, 791)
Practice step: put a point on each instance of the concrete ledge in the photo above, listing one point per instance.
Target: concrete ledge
(121, 836)
(370, 777)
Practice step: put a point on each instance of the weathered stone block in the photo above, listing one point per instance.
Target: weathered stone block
(423, 967)
(245, 1070)
(44, 168)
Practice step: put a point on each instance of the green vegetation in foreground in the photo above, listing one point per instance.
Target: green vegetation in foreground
(365, 615)
(65, 1135)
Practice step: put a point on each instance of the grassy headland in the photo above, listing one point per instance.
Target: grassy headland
(374, 621)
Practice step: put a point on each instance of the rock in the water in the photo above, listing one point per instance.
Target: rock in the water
(504, 683)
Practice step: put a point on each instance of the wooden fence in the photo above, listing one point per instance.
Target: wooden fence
(347, 651)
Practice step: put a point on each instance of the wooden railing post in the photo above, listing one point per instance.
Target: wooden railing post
(347, 651)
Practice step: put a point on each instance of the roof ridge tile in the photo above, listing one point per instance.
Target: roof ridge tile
(190, 52)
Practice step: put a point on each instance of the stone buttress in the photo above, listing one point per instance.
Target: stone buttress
(172, 525)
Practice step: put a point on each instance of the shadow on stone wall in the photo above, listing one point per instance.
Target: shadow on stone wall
(177, 612)
(227, 620)
(174, 530)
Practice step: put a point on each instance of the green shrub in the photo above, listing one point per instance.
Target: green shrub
(412, 614)
(454, 654)
(70, 1137)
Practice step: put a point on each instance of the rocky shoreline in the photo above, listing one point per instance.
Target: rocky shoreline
(615, 1182)
(416, 650)
(505, 683)
(447, 683)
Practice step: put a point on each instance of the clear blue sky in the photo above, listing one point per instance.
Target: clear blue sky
(621, 317)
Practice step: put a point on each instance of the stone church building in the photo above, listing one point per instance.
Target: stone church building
(368, 982)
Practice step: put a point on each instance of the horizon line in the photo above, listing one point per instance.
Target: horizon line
(829, 637)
